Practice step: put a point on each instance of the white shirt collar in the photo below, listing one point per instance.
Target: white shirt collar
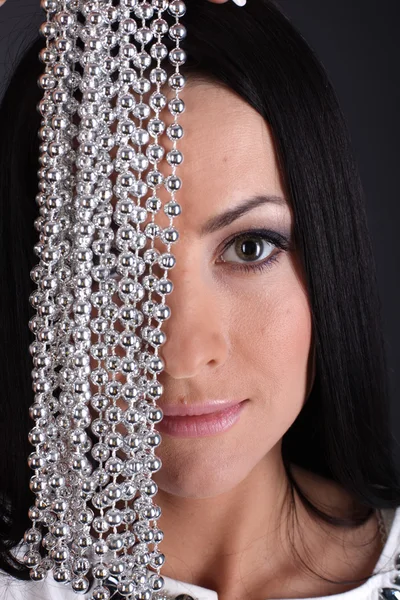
(174, 588)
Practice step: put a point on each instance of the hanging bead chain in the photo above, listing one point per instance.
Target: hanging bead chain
(97, 324)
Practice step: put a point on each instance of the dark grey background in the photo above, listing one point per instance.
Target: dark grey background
(358, 43)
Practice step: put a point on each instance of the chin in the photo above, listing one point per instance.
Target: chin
(188, 477)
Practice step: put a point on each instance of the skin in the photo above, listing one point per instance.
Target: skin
(238, 334)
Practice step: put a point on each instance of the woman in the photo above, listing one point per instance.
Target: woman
(278, 480)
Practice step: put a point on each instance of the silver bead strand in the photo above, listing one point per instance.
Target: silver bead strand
(90, 222)
(94, 460)
(52, 274)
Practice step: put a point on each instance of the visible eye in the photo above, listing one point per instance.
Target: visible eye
(255, 245)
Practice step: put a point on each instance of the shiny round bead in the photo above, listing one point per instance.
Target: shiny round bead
(128, 26)
(114, 466)
(157, 338)
(62, 575)
(177, 8)
(161, 5)
(153, 205)
(38, 411)
(48, 29)
(155, 127)
(100, 547)
(176, 106)
(177, 31)
(37, 484)
(126, 101)
(177, 56)
(63, 44)
(80, 585)
(59, 505)
(114, 517)
(157, 560)
(158, 75)
(38, 574)
(64, 18)
(32, 536)
(85, 516)
(128, 490)
(59, 123)
(100, 593)
(114, 441)
(140, 137)
(142, 60)
(140, 162)
(149, 488)
(100, 452)
(167, 261)
(175, 131)
(59, 554)
(113, 492)
(117, 567)
(50, 5)
(115, 542)
(158, 101)
(128, 76)
(101, 572)
(155, 153)
(173, 183)
(155, 415)
(154, 179)
(57, 481)
(159, 51)
(49, 541)
(125, 588)
(177, 81)
(34, 513)
(100, 525)
(128, 51)
(60, 71)
(47, 56)
(60, 530)
(156, 582)
(81, 566)
(144, 11)
(143, 35)
(141, 110)
(113, 389)
(170, 235)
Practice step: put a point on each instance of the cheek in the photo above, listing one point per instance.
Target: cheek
(273, 342)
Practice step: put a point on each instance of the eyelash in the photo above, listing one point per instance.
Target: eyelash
(266, 235)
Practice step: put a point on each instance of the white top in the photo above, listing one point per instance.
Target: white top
(12, 589)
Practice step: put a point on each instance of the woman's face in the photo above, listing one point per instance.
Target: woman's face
(234, 332)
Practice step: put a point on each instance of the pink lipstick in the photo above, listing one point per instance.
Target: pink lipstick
(199, 420)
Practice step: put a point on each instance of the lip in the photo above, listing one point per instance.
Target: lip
(204, 420)
(203, 408)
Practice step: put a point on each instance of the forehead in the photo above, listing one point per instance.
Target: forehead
(220, 127)
(228, 150)
(228, 156)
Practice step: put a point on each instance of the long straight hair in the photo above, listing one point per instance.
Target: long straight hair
(343, 431)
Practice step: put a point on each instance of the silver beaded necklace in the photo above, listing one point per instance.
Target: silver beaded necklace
(99, 303)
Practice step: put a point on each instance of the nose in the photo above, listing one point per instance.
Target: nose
(197, 335)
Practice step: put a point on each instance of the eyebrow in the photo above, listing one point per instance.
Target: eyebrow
(226, 218)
